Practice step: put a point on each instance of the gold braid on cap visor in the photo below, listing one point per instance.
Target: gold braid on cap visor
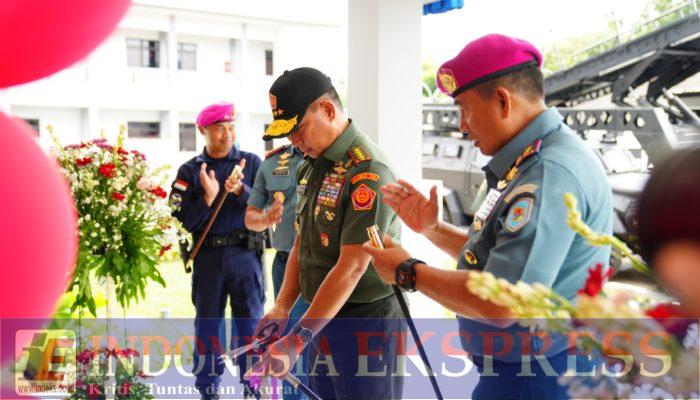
(280, 127)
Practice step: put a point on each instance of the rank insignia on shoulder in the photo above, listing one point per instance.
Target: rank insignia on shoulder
(519, 214)
(529, 151)
(358, 156)
(181, 185)
(363, 198)
(364, 175)
(276, 151)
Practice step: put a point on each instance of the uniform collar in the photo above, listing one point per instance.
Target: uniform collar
(336, 151)
(233, 155)
(541, 126)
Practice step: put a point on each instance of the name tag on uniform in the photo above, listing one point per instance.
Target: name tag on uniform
(488, 204)
(280, 172)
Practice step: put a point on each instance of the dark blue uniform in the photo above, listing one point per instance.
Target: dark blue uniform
(221, 271)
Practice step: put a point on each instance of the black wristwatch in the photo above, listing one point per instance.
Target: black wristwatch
(406, 274)
(304, 334)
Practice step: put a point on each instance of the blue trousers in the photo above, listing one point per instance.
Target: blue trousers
(224, 274)
(501, 381)
(357, 330)
(278, 267)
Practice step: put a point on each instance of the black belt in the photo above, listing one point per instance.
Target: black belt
(232, 239)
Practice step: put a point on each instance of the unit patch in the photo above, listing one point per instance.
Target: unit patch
(518, 215)
(364, 175)
(330, 190)
(363, 198)
(175, 199)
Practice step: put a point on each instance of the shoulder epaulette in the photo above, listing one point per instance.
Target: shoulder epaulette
(358, 156)
(529, 151)
(275, 151)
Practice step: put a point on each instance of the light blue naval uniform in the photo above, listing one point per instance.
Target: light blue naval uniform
(525, 237)
(277, 174)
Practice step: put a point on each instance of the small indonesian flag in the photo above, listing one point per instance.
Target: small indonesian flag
(181, 185)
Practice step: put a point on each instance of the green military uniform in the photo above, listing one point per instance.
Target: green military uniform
(338, 198)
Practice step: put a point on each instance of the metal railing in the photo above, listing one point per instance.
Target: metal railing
(621, 36)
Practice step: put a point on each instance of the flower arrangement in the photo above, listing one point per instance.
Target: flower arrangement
(124, 219)
(619, 248)
(93, 375)
(592, 310)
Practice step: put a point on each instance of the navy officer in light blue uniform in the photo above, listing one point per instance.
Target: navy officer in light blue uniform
(272, 203)
(227, 267)
(520, 230)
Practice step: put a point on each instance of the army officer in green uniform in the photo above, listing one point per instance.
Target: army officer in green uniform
(338, 198)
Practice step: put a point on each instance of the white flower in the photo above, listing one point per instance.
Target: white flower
(119, 183)
(691, 338)
(143, 183)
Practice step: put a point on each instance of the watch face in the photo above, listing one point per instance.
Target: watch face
(403, 278)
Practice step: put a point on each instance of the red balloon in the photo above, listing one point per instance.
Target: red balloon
(38, 231)
(41, 37)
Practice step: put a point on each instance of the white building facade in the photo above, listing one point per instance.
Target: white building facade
(169, 59)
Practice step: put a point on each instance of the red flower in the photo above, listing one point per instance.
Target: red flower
(108, 170)
(672, 318)
(118, 196)
(85, 356)
(138, 154)
(159, 192)
(664, 311)
(124, 388)
(595, 281)
(83, 161)
(122, 151)
(164, 249)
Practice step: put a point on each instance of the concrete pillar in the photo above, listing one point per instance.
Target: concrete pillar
(384, 77)
(384, 98)
(91, 128)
